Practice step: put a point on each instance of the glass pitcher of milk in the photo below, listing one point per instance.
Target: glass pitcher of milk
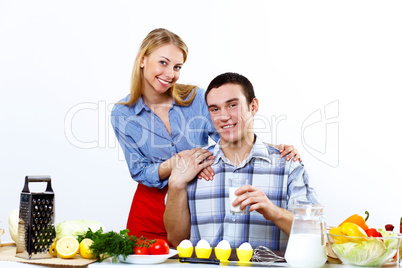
(306, 245)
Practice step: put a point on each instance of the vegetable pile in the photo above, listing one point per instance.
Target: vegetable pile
(355, 243)
(88, 239)
(112, 244)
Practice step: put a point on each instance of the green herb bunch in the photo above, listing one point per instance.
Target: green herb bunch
(110, 244)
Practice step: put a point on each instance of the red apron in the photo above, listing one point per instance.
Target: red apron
(146, 213)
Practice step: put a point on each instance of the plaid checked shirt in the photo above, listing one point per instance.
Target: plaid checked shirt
(209, 205)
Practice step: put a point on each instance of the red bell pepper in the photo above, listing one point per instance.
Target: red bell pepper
(372, 232)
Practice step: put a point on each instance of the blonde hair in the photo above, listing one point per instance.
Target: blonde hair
(154, 40)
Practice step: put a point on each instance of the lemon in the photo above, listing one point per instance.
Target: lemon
(52, 249)
(85, 252)
(67, 247)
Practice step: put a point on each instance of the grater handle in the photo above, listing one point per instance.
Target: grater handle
(45, 178)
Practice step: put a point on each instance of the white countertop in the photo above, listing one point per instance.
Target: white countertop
(169, 264)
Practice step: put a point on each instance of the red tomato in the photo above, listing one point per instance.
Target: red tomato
(141, 250)
(159, 247)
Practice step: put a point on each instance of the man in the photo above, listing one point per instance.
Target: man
(199, 209)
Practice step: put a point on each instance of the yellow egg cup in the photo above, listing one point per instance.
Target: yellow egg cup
(185, 252)
(203, 253)
(244, 255)
(222, 254)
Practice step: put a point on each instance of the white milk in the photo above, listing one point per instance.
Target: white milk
(232, 197)
(305, 250)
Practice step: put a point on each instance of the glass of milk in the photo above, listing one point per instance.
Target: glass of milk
(234, 184)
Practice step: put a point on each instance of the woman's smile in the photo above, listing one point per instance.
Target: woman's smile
(163, 82)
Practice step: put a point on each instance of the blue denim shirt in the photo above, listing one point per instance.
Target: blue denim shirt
(145, 141)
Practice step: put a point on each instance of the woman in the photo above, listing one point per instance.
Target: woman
(158, 119)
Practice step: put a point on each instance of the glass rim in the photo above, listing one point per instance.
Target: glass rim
(398, 236)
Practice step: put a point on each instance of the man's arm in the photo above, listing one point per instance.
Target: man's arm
(283, 219)
(177, 214)
(258, 201)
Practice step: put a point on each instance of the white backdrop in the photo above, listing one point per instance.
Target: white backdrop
(326, 73)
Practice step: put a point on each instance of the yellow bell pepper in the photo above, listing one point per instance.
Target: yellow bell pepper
(353, 230)
(338, 239)
(336, 231)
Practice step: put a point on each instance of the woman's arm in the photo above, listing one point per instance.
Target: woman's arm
(143, 169)
(177, 214)
(165, 168)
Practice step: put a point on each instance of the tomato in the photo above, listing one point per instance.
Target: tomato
(159, 247)
(141, 250)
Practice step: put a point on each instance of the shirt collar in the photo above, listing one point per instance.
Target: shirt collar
(259, 150)
(140, 105)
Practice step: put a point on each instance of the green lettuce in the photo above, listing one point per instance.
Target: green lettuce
(389, 242)
(76, 228)
(372, 252)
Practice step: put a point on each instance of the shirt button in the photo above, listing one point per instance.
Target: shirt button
(172, 144)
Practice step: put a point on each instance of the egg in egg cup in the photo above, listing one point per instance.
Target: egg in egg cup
(222, 254)
(244, 255)
(203, 253)
(185, 252)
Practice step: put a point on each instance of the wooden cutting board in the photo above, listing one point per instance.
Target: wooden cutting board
(8, 254)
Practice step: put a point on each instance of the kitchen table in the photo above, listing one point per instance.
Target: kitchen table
(166, 264)
(176, 263)
(170, 263)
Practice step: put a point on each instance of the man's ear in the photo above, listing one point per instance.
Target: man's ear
(254, 106)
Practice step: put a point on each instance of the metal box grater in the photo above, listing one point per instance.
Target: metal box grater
(36, 231)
